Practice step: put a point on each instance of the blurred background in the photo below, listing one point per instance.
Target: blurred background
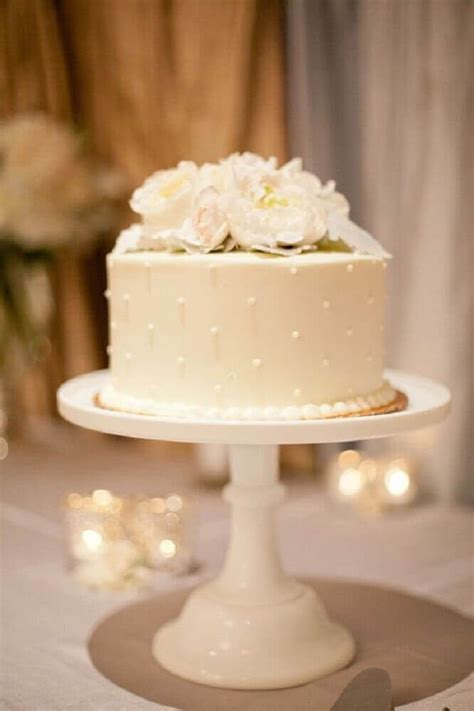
(97, 94)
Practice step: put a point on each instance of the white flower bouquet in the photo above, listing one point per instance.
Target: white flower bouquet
(50, 196)
(244, 202)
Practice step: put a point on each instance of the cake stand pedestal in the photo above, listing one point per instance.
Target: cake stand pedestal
(253, 627)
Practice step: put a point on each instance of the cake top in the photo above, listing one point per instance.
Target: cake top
(244, 202)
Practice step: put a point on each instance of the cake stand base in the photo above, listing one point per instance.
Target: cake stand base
(253, 627)
(252, 647)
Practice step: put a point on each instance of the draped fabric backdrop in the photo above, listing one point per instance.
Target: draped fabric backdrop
(151, 82)
(381, 97)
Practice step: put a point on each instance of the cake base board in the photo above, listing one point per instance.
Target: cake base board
(398, 404)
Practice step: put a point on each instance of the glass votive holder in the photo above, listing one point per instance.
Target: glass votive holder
(372, 486)
(118, 542)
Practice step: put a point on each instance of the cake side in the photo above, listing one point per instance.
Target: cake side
(246, 335)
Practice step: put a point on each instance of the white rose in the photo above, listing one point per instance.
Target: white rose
(165, 199)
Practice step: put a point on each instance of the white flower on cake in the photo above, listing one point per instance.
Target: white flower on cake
(243, 202)
(207, 229)
(129, 238)
(281, 211)
(165, 199)
(359, 240)
(273, 218)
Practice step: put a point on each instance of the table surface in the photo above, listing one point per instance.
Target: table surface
(47, 617)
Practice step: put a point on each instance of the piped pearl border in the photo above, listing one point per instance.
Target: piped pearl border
(110, 398)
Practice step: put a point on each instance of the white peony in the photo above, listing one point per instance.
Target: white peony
(244, 201)
(165, 199)
(269, 211)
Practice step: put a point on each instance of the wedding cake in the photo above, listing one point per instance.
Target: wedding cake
(245, 292)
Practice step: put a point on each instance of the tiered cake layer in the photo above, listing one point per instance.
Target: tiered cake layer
(246, 335)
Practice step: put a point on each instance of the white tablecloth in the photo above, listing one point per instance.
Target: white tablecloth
(47, 617)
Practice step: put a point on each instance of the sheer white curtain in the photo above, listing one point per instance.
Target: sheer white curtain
(380, 96)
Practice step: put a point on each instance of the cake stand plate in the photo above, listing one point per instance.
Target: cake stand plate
(428, 403)
(253, 627)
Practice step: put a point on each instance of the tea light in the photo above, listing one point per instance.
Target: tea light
(117, 542)
(372, 486)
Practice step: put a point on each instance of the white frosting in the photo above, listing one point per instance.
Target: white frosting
(113, 399)
(243, 202)
(245, 330)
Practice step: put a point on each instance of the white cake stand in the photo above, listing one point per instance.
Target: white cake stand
(253, 627)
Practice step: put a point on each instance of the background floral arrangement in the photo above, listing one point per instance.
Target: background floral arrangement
(51, 195)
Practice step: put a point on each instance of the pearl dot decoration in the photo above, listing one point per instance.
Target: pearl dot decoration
(349, 332)
(326, 304)
(370, 359)
(213, 275)
(310, 412)
(294, 270)
(251, 301)
(107, 293)
(181, 360)
(257, 362)
(297, 392)
(371, 299)
(151, 326)
(128, 356)
(126, 298)
(325, 362)
(295, 335)
(147, 266)
(214, 330)
(350, 267)
(383, 396)
(181, 301)
(113, 325)
(109, 350)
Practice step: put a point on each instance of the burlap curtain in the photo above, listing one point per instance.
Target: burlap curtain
(151, 82)
(381, 96)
